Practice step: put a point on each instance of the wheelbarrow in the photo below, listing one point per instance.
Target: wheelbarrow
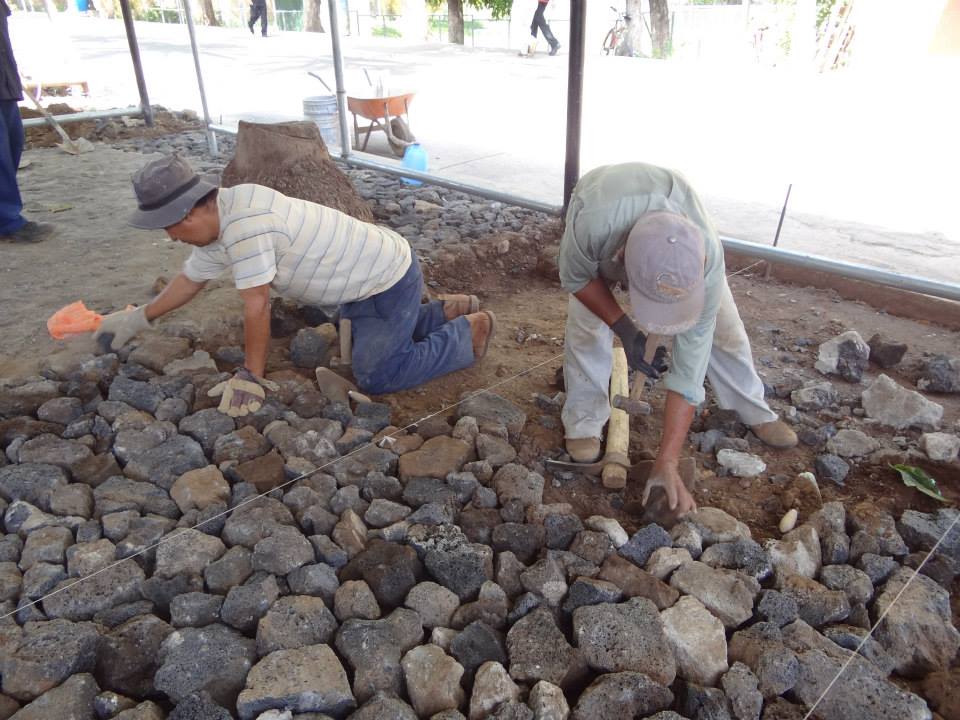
(388, 114)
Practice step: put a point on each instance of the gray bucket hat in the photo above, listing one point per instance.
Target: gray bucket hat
(166, 190)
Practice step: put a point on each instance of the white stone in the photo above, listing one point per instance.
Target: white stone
(200, 360)
(741, 464)
(795, 554)
(491, 687)
(851, 444)
(940, 447)
(789, 520)
(665, 560)
(829, 353)
(894, 405)
(698, 640)
(547, 702)
(614, 530)
(433, 680)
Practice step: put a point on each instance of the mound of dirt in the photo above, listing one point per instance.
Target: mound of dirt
(292, 158)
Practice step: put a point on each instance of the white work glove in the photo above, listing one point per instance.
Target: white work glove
(667, 478)
(116, 329)
(242, 394)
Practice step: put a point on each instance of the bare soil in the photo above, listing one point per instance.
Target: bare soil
(94, 256)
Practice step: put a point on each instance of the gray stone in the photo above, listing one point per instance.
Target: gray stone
(855, 639)
(593, 546)
(854, 583)
(127, 656)
(285, 550)
(252, 522)
(515, 482)
(327, 551)
(48, 544)
(777, 671)
(643, 544)
(816, 605)
(48, 653)
(547, 579)
(140, 395)
(434, 604)
(846, 355)
(713, 525)
(122, 613)
(383, 706)
(32, 483)
(817, 396)
(187, 551)
(462, 568)
(319, 580)
(52, 450)
(940, 447)
(108, 704)
(697, 641)
(432, 680)
(885, 352)
(195, 609)
(373, 648)
(727, 594)
(538, 650)
(240, 446)
(433, 513)
(704, 703)
(390, 570)
(941, 373)
(199, 706)
(371, 416)
(878, 524)
(384, 512)
(233, 568)
(492, 688)
(161, 591)
(205, 426)
(628, 636)
(354, 599)
(921, 531)
(855, 694)
(622, 694)
(163, 464)
(62, 410)
(521, 539)
(310, 346)
(120, 493)
(27, 398)
(777, 608)
(72, 500)
(82, 600)
(742, 554)
(293, 622)
(741, 688)
(488, 407)
(890, 404)
(477, 644)
(851, 444)
(215, 659)
(246, 604)
(495, 451)
(589, 591)
(741, 464)
(73, 699)
(831, 467)
(40, 580)
(916, 628)
(548, 702)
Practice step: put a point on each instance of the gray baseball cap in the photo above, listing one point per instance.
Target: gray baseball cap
(166, 190)
(664, 259)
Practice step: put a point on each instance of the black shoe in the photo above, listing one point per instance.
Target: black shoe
(32, 232)
(554, 48)
(250, 27)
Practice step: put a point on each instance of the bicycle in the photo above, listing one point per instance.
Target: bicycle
(614, 38)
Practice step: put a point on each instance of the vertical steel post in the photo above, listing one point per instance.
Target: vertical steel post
(338, 74)
(578, 24)
(776, 238)
(137, 65)
(211, 137)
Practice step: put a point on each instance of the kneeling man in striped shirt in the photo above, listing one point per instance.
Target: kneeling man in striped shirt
(309, 253)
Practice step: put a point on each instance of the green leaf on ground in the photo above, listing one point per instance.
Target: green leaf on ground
(918, 478)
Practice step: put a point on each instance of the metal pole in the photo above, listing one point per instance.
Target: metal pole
(776, 238)
(578, 23)
(338, 74)
(850, 270)
(81, 116)
(137, 65)
(211, 138)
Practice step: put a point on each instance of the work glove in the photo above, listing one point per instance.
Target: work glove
(242, 394)
(116, 329)
(635, 345)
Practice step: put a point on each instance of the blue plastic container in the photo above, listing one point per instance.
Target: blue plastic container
(415, 158)
(83, 5)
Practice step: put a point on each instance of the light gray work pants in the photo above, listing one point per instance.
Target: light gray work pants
(588, 361)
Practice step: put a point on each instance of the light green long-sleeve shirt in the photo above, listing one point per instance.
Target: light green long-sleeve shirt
(605, 205)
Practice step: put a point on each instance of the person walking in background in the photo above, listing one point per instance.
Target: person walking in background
(540, 23)
(13, 226)
(258, 10)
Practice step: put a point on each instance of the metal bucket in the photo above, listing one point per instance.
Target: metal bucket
(322, 109)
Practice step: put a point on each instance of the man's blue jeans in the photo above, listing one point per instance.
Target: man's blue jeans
(11, 146)
(399, 343)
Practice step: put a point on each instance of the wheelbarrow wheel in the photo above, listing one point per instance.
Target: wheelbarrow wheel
(400, 131)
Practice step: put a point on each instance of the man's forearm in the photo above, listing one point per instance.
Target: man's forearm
(179, 292)
(677, 417)
(256, 328)
(598, 299)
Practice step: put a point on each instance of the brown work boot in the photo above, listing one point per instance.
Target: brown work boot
(482, 327)
(583, 450)
(456, 305)
(776, 434)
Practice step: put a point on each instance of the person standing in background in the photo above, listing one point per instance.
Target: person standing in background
(540, 23)
(258, 10)
(13, 226)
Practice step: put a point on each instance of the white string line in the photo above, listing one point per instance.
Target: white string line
(175, 534)
(856, 653)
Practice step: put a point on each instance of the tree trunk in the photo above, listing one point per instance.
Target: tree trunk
(312, 20)
(633, 34)
(50, 8)
(209, 14)
(455, 21)
(660, 28)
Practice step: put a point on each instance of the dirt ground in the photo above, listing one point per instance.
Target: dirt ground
(95, 257)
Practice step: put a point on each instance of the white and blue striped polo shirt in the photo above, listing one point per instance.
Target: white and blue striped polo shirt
(307, 252)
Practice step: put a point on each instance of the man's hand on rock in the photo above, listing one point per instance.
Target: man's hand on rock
(666, 476)
(242, 394)
(116, 329)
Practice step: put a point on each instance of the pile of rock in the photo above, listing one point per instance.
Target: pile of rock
(315, 561)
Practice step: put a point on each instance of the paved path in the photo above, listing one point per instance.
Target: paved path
(872, 157)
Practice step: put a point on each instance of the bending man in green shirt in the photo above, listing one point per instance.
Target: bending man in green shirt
(644, 226)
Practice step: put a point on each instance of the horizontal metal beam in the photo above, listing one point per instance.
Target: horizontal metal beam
(81, 116)
(911, 283)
